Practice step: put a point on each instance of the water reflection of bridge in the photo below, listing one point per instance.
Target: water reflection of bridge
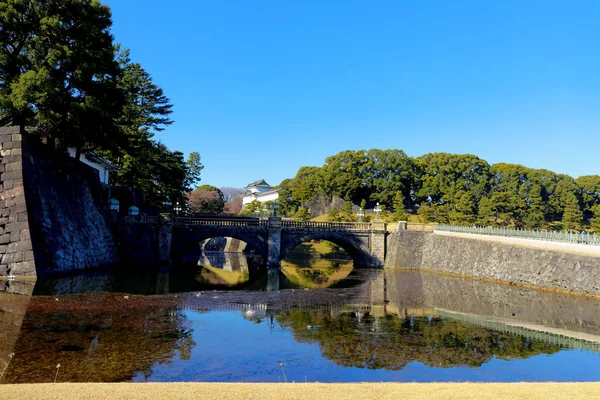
(384, 302)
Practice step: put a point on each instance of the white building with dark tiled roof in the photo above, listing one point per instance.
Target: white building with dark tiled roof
(260, 190)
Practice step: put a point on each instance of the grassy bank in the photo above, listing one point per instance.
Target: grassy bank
(312, 391)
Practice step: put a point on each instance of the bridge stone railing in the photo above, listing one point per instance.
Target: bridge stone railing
(235, 222)
(347, 226)
(566, 237)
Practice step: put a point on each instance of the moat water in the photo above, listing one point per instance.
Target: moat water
(224, 319)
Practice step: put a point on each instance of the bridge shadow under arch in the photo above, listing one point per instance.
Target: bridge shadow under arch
(354, 246)
(185, 240)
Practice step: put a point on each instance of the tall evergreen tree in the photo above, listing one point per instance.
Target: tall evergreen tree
(572, 215)
(302, 214)
(463, 212)
(485, 215)
(334, 215)
(534, 217)
(58, 71)
(595, 220)
(399, 213)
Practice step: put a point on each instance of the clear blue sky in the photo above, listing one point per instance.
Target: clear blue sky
(261, 88)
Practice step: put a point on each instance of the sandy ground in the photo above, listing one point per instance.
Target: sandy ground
(312, 391)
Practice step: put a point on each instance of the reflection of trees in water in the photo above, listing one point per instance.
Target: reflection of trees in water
(315, 273)
(391, 342)
(100, 338)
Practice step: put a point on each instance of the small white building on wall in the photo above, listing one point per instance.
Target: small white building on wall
(95, 161)
(261, 191)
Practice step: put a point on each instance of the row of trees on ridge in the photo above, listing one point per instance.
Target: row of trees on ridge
(458, 189)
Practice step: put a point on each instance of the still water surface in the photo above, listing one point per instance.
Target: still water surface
(315, 320)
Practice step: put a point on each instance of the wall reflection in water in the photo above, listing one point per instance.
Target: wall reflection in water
(384, 321)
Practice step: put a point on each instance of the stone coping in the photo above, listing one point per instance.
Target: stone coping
(570, 248)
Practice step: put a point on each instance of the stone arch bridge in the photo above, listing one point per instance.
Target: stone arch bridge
(273, 238)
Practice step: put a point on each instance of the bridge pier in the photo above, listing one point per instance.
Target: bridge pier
(274, 243)
(165, 238)
(378, 230)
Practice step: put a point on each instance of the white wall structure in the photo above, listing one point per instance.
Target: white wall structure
(95, 161)
(261, 191)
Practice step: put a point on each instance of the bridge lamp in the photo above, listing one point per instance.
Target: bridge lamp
(360, 214)
(177, 208)
(133, 211)
(113, 205)
(265, 210)
(257, 211)
(377, 210)
(275, 207)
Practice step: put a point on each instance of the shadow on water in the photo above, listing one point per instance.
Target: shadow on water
(209, 271)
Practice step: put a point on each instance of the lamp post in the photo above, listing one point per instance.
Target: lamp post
(133, 211)
(360, 214)
(177, 209)
(377, 210)
(265, 211)
(275, 208)
(257, 212)
(167, 204)
(113, 205)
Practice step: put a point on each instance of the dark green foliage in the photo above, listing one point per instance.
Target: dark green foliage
(447, 188)
(334, 215)
(302, 214)
(347, 215)
(399, 210)
(595, 220)
(572, 215)
(63, 78)
(144, 163)
(58, 72)
(251, 208)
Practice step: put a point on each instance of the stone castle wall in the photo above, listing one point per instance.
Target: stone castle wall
(495, 261)
(15, 236)
(52, 222)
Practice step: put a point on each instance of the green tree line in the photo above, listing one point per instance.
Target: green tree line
(65, 80)
(458, 189)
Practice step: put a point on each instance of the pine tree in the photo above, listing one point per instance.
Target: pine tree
(302, 214)
(595, 220)
(486, 213)
(59, 73)
(534, 218)
(334, 215)
(347, 215)
(572, 215)
(399, 210)
(462, 212)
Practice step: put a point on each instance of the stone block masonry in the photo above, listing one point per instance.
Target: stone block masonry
(16, 247)
(49, 216)
(509, 263)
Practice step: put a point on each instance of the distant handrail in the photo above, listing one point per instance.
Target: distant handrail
(326, 225)
(219, 221)
(565, 237)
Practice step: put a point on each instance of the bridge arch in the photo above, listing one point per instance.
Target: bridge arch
(185, 239)
(353, 245)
